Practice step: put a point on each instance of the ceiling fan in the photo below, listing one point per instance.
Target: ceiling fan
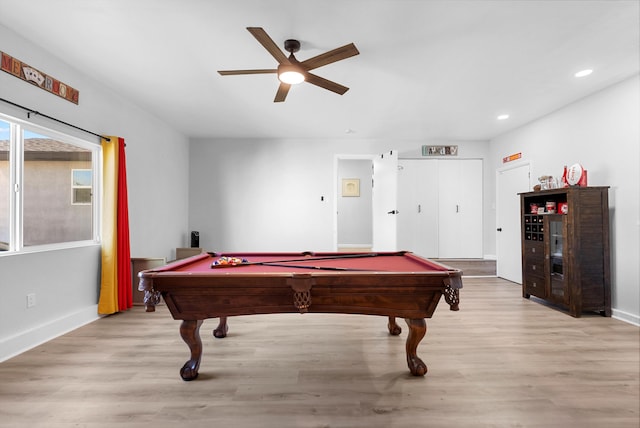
(290, 71)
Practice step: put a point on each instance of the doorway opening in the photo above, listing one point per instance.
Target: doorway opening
(353, 229)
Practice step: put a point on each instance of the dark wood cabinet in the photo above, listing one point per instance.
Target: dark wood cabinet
(565, 248)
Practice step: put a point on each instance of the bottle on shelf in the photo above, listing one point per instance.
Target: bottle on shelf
(565, 183)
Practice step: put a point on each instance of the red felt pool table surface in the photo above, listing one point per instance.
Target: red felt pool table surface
(392, 284)
(381, 262)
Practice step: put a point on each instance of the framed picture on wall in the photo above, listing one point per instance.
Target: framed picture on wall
(351, 187)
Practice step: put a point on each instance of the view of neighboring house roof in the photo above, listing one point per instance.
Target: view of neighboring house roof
(43, 145)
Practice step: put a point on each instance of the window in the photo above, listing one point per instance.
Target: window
(81, 185)
(47, 187)
(5, 185)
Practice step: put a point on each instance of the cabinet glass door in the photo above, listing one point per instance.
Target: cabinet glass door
(556, 255)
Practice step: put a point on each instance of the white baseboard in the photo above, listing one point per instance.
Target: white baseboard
(354, 246)
(626, 317)
(23, 341)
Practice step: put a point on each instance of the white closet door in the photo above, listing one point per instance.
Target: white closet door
(407, 200)
(418, 206)
(460, 208)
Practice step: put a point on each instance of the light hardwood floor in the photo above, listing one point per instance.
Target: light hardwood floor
(501, 361)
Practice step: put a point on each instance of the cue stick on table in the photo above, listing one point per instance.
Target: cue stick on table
(310, 259)
(299, 267)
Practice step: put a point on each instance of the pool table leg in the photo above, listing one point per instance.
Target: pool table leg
(221, 330)
(190, 333)
(394, 328)
(417, 330)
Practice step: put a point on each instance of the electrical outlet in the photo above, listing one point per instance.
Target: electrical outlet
(31, 300)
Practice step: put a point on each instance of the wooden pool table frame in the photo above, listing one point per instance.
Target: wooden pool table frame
(193, 296)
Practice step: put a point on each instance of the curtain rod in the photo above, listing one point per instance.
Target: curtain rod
(32, 111)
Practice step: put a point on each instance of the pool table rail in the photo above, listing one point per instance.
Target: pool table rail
(200, 296)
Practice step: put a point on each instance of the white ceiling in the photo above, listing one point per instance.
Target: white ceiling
(427, 70)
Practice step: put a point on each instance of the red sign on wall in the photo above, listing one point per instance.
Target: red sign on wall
(34, 76)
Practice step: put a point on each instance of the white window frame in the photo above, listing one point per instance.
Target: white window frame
(16, 167)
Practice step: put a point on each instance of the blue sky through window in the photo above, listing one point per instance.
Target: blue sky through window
(5, 132)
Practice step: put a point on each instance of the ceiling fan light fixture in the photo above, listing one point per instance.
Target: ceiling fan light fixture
(288, 73)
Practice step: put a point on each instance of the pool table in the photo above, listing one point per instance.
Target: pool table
(220, 285)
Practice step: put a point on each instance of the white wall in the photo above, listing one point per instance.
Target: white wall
(602, 132)
(67, 281)
(265, 195)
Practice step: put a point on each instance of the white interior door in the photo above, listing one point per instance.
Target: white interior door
(407, 221)
(510, 182)
(384, 201)
(460, 208)
(418, 206)
(471, 209)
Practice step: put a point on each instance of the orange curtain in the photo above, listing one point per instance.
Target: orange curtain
(115, 287)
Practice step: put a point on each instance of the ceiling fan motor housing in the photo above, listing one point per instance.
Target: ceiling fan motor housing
(291, 45)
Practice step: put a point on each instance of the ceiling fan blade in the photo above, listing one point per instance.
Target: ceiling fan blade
(268, 44)
(234, 72)
(326, 84)
(283, 90)
(334, 55)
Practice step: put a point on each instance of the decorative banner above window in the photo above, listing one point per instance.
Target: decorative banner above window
(439, 150)
(29, 74)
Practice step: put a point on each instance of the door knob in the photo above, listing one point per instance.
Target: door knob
(394, 212)
(499, 229)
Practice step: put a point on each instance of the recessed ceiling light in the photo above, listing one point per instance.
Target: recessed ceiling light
(503, 117)
(583, 73)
